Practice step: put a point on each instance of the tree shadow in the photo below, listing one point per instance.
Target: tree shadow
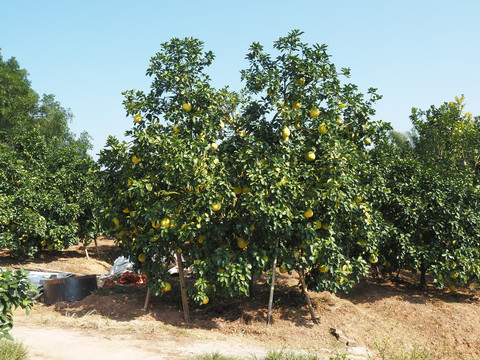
(107, 252)
(372, 289)
(125, 303)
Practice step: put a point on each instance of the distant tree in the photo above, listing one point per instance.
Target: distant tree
(52, 119)
(22, 110)
(18, 102)
(432, 201)
(447, 136)
(399, 139)
(47, 179)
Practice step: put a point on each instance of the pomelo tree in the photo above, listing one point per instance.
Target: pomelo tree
(47, 179)
(47, 195)
(310, 134)
(171, 185)
(447, 137)
(240, 181)
(432, 198)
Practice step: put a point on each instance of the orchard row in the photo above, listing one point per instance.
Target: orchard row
(291, 171)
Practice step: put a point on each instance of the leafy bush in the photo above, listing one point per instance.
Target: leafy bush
(15, 291)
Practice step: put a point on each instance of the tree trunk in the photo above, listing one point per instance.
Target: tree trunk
(307, 297)
(183, 288)
(272, 287)
(423, 272)
(86, 250)
(147, 299)
(252, 283)
(96, 246)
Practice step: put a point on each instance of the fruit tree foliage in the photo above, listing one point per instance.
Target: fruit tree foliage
(234, 180)
(47, 179)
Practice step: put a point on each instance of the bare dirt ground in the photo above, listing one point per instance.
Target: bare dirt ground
(378, 314)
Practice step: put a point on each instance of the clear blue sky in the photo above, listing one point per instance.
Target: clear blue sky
(416, 52)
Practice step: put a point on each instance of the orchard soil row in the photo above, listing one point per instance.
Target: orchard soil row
(377, 313)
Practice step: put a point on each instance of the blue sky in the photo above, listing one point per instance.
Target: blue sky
(417, 53)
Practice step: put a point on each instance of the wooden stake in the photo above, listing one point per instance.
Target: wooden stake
(305, 292)
(86, 250)
(272, 287)
(147, 299)
(183, 288)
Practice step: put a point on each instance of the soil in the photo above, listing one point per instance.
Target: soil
(384, 317)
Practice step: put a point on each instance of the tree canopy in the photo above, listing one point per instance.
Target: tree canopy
(47, 179)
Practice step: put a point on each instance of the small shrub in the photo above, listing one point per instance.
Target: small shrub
(12, 350)
(15, 290)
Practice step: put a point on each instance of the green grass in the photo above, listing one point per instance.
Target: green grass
(12, 350)
(282, 355)
(215, 356)
(387, 351)
(390, 351)
(273, 355)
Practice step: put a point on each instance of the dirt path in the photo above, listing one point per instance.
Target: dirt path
(53, 343)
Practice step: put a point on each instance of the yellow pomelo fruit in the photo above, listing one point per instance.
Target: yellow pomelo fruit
(135, 159)
(167, 287)
(314, 112)
(241, 243)
(322, 128)
(310, 156)
(300, 81)
(165, 222)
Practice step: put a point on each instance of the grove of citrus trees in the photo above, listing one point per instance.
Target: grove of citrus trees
(290, 173)
(47, 179)
(432, 200)
(238, 182)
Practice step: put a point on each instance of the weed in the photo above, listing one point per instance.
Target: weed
(390, 351)
(272, 355)
(12, 350)
(338, 355)
(214, 356)
(289, 355)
